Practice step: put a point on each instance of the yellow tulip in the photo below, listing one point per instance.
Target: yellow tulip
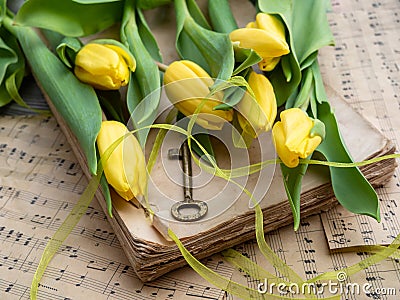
(187, 87)
(294, 136)
(266, 36)
(257, 113)
(125, 169)
(105, 67)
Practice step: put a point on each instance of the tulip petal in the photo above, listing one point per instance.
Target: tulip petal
(257, 114)
(268, 63)
(188, 87)
(97, 58)
(125, 168)
(290, 159)
(265, 43)
(265, 96)
(270, 23)
(101, 82)
(129, 59)
(102, 66)
(297, 127)
(309, 146)
(292, 136)
(251, 25)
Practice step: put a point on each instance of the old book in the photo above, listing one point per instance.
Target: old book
(228, 222)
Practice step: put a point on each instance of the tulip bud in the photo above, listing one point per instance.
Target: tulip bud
(125, 168)
(187, 85)
(105, 67)
(295, 136)
(266, 36)
(257, 113)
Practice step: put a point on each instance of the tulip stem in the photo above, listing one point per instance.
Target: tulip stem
(162, 67)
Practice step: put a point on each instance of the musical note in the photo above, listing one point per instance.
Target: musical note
(203, 292)
(56, 183)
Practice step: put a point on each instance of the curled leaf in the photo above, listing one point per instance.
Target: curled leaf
(72, 18)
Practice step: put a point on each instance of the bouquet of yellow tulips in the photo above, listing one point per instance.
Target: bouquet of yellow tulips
(241, 76)
(237, 75)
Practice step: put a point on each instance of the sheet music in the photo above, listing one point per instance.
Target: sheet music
(363, 67)
(307, 253)
(40, 181)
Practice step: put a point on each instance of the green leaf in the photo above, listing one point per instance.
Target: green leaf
(275, 7)
(306, 21)
(106, 193)
(278, 78)
(232, 96)
(211, 50)
(67, 50)
(221, 16)
(313, 104)
(13, 61)
(53, 38)
(94, 1)
(105, 188)
(305, 89)
(308, 29)
(246, 58)
(149, 4)
(292, 98)
(320, 93)
(69, 17)
(12, 89)
(204, 140)
(5, 97)
(75, 101)
(3, 10)
(7, 57)
(112, 104)
(351, 188)
(197, 15)
(233, 92)
(148, 38)
(292, 178)
(309, 61)
(143, 4)
(143, 96)
(286, 77)
(286, 68)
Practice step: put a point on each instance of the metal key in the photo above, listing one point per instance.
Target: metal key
(188, 202)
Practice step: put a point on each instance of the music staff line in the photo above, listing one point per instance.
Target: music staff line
(8, 192)
(62, 275)
(13, 153)
(84, 281)
(22, 291)
(102, 264)
(77, 187)
(98, 235)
